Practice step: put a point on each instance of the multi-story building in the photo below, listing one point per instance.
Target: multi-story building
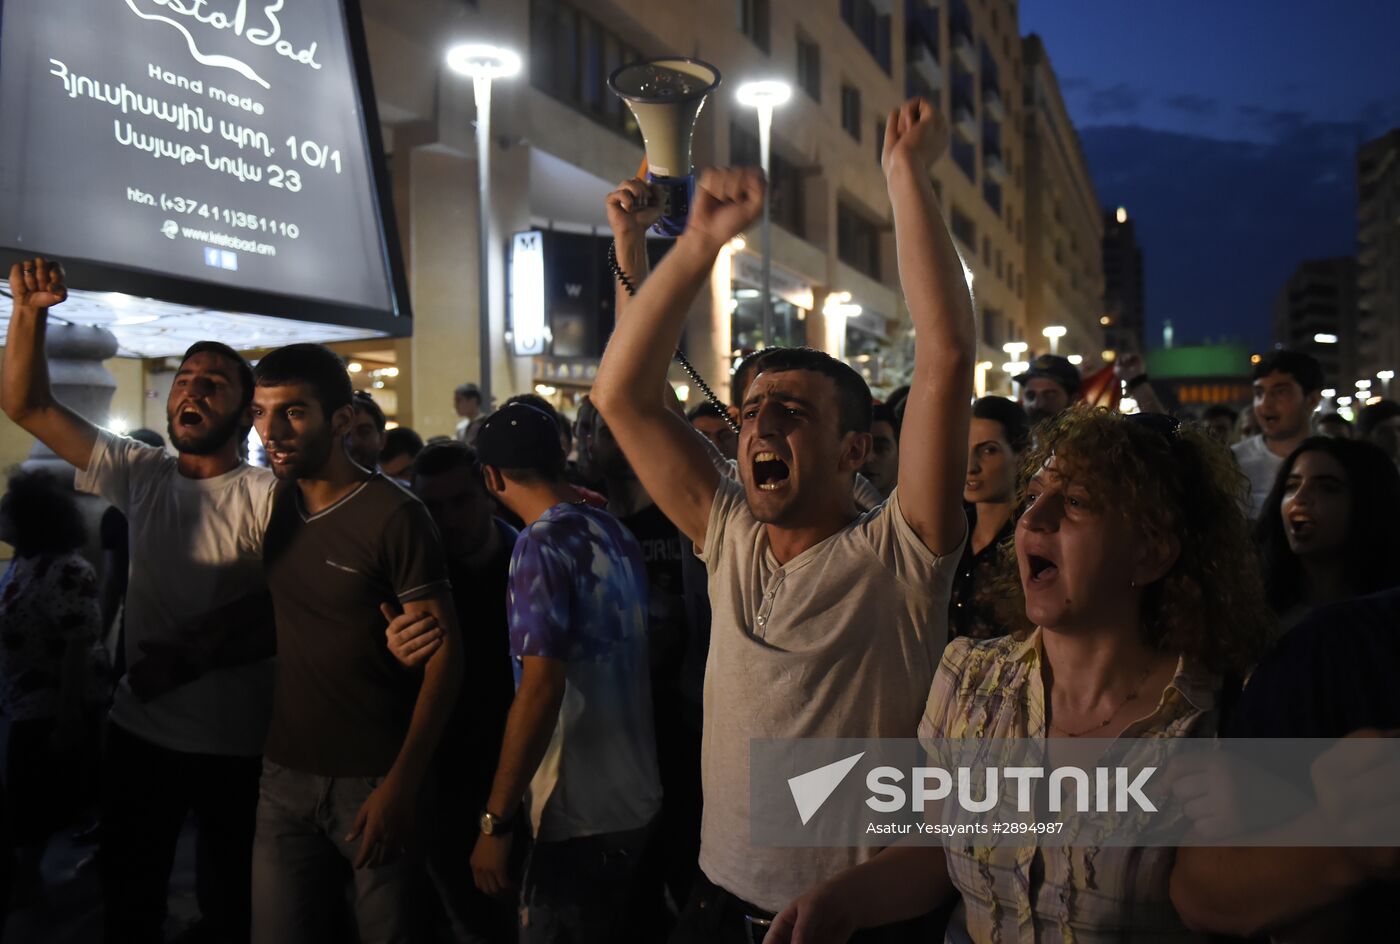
(1378, 254)
(1122, 319)
(1064, 230)
(1315, 311)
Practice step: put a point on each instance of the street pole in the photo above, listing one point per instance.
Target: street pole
(481, 88)
(765, 127)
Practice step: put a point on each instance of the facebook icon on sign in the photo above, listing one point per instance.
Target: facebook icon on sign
(221, 258)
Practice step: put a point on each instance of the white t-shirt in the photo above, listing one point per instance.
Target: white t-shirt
(1260, 466)
(840, 642)
(196, 545)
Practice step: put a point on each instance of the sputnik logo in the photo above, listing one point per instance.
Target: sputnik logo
(812, 789)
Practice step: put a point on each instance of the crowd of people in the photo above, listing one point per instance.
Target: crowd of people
(502, 685)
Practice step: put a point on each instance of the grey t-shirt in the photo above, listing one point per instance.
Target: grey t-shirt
(842, 641)
(1260, 466)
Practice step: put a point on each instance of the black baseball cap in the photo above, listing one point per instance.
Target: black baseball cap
(1052, 367)
(520, 436)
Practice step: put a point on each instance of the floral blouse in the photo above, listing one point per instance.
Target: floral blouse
(994, 689)
(45, 600)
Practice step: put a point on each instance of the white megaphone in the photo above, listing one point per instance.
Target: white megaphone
(666, 96)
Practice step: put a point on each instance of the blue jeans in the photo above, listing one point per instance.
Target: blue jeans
(577, 891)
(301, 863)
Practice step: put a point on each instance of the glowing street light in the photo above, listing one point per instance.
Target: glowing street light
(1329, 393)
(1363, 385)
(1076, 359)
(483, 63)
(1016, 348)
(1325, 338)
(764, 96)
(1122, 215)
(1386, 376)
(1054, 333)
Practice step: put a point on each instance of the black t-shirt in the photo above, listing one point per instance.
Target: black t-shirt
(660, 541)
(342, 703)
(1333, 673)
(471, 744)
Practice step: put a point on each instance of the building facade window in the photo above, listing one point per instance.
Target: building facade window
(871, 27)
(991, 328)
(965, 230)
(571, 57)
(857, 241)
(753, 18)
(850, 110)
(880, 141)
(809, 67)
(786, 181)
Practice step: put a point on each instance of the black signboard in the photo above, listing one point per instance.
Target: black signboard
(220, 154)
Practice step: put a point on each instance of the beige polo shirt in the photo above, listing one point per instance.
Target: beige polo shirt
(842, 641)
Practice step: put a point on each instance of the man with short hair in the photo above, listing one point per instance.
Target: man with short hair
(1334, 426)
(1048, 387)
(365, 441)
(401, 448)
(579, 733)
(816, 607)
(1220, 422)
(352, 734)
(882, 466)
(714, 426)
(447, 479)
(190, 713)
(1287, 388)
(466, 400)
(1379, 424)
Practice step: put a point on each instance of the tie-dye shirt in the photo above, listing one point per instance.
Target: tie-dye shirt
(578, 593)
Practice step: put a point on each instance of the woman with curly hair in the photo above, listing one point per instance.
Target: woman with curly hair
(1137, 569)
(49, 620)
(1330, 528)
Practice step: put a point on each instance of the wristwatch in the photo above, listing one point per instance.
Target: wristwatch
(493, 825)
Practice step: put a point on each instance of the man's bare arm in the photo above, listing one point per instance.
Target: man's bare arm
(933, 448)
(661, 446)
(26, 394)
(632, 207)
(529, 727)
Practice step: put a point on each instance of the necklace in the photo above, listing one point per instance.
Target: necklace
(1137, 687)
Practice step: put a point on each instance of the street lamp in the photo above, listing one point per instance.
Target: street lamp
(1015, 348)
(764, 97)
(1325, 338)
(1054, 333)
(1386, 376)
(1076, 359)
(483, 63)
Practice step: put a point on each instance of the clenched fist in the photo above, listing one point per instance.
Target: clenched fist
(727, 201)
(916, 134)
(37, 284)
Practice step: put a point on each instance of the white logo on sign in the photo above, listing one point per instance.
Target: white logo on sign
(271, 36)
(573, 290)
(815, 787)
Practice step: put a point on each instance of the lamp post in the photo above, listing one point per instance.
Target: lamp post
(1385, 377)
(1054, 333)
(764, 97)
(483, 63)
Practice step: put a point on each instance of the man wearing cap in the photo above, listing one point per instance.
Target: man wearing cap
(579, 735)
(1049, 387)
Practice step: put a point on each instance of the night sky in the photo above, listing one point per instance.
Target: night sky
(1229, 130)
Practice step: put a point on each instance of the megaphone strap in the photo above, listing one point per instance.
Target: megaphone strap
(615, 268)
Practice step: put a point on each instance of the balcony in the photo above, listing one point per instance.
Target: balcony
(992, 105)
(965, 50)
(995, 168)
(924, 61)
(965, 125)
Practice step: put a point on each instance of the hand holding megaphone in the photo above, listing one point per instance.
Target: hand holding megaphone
(632, 208)
(727, 201)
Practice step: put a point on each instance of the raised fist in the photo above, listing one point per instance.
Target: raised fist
(37, 283)
(915, 133)
(727, 201)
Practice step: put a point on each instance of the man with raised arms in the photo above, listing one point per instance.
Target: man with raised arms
(827, 622)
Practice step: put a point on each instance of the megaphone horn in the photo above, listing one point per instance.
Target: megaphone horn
(666, 96)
